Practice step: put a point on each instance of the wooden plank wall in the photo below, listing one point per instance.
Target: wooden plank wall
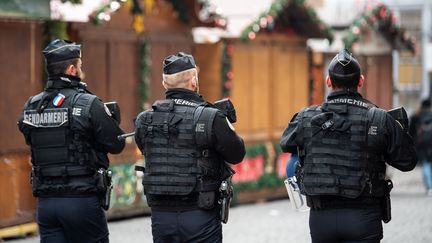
(270, 84)
(378, 87)
(21, 70)
(208, 59)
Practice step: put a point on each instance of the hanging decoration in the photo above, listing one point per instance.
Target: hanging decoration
(149, 5)
(383, 20)
(205, 12)
(288, 17)
(226, 68)
(103, 14)
(138, 18)
(144, 75)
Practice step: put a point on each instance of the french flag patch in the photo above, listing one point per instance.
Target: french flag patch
(58, 100)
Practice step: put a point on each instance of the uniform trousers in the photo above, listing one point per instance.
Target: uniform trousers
(347, 225)
(190, 226)
(71, 220)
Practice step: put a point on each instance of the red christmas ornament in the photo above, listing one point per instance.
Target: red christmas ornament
(230, 75)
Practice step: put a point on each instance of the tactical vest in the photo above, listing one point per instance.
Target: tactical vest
(336, 157)
(175, 138)
(64, 162)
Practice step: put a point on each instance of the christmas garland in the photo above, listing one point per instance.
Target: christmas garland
(226, 68)
(183, 10)
(143, 75)
(278, 15)
(384, 21)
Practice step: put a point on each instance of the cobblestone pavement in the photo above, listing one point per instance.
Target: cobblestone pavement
(276, 222)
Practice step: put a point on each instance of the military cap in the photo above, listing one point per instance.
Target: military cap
(178, 62)
(344, 66)
(60, 50)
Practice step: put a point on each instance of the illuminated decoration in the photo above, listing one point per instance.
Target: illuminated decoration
(288, 17)
(103, 14)
(382, 20)
(226, 68)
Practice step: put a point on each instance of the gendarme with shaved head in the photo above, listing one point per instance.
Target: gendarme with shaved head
(188, 144)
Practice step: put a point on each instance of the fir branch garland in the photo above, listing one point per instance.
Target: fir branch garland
(226, 69)
(144, 72)
(382, 20)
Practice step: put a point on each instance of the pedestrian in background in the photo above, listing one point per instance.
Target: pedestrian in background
(421, 131)
(185, 143)
(70, 132)
(343, 146)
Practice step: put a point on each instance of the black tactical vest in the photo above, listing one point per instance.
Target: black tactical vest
(64, 162)
(336, 157)
(175, 138)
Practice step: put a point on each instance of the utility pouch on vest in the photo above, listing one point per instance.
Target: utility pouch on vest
(206, 200)
(104, 183)
(386, 203)
(35, 182)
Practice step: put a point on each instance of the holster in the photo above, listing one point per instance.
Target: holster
(105, 186)
(226, 193)
(386, 202)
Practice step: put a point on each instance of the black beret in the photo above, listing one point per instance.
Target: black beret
(178, 62)
(60, 50)
(344, 66)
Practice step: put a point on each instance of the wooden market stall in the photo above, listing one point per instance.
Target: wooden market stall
(372, 37)
(266, 73)
(122, 61)
(21, 27)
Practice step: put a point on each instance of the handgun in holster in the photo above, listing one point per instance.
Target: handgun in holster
(106, 178)
(226, 193)
(386, 204)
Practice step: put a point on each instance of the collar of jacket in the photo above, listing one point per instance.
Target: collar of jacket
(184, 94)
(62, 81)
(344, 93)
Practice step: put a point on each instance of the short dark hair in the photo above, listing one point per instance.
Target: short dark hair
(347, 83)
(60, 67)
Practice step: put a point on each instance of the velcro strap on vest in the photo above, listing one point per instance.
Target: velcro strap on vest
(63, 171)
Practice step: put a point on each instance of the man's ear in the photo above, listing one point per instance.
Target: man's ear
(70, 70)
(328, 82)
(164, 85)
(361, 81)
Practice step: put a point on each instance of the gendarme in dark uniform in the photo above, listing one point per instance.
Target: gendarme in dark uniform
(344, 145)
(70, 132)
(185, 143)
